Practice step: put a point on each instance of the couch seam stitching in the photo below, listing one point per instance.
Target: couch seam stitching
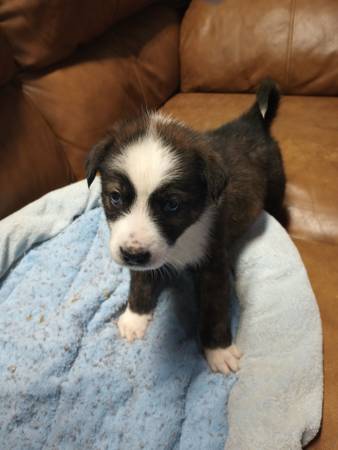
(289, 42)
(136, 63)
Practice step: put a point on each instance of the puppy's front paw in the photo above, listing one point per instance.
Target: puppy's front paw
(132, 325)
(223, 360)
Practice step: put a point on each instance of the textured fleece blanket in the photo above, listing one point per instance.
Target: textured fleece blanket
(67, 380)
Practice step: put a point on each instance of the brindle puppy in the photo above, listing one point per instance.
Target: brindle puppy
(176, 198)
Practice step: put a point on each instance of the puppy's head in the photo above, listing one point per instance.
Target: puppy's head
(160, 186)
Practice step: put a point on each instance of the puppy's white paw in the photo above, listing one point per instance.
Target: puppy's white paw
(132, 325)
(223, 360)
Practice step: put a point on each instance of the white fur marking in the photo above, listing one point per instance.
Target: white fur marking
(132, 325)
(191, 246)
(137, 226)
(147, 163)
(223, 360)
(263, 110)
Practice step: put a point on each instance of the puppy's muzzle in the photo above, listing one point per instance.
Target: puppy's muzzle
(134, 257)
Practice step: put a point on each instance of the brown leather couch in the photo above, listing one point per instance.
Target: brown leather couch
(68, 69)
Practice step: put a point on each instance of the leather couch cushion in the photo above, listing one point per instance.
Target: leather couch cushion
(307, 130)
(229, 46)
(31, 161)
(321, 262)
(133, 66)
(42, 32)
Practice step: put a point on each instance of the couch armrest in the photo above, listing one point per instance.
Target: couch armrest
(7, 64)
(132, 67)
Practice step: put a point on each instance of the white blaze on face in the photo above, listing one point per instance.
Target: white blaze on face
(148, 163)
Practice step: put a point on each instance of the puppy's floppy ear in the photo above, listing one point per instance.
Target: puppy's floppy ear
(215, 175)
(96, 156)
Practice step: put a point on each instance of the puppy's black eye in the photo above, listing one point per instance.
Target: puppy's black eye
(171, 205)
(115, 198)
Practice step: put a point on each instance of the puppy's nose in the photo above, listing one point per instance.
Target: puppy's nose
(134, 257)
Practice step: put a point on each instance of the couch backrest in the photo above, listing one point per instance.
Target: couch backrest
(230, 45)
(42, 32)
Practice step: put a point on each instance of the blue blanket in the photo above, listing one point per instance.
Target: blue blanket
(68, 381)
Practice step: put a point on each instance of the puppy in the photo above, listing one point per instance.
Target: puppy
(176, 198)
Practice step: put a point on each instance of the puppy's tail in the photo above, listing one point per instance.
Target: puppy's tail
(267, 101)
